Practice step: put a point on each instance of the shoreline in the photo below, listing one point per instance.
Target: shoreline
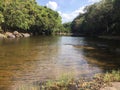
(107, 81)
(110, 37)
(13, 35)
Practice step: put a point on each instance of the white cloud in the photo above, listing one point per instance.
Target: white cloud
(66, 17)
(93, 1)
(53, 5)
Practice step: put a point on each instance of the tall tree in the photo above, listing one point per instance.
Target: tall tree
(99, 18)
(27, 15)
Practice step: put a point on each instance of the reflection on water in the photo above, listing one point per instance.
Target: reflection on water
(35, 59)
(105, 53)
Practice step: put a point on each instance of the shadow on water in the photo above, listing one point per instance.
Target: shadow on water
(102, 53)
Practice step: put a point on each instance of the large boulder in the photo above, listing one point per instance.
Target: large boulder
(9, 35)
(17, 34)
(26, 34)
(2, 36)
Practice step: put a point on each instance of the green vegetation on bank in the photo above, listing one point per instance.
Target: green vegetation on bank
(28, 16)
(65, 29)
(113, 76)
(102, 18)
(97, 82)
(66, 82)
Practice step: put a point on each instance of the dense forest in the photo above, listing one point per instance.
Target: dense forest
(28, 16)
(65, 29)
(102, 18)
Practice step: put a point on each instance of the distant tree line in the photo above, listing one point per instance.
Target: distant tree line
(28, 16)
(102, 18)
(65, 29)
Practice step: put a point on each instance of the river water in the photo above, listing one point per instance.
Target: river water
(34, 59)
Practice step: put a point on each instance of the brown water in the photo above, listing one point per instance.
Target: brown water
(35, 59)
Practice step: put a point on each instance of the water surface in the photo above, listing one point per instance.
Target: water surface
(30, 60)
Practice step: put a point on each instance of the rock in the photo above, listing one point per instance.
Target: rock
(19, 35)
(9, 35)
(15, 32)
(26, 34)
(2, 36)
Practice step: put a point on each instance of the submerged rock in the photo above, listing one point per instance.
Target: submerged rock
(84, 47)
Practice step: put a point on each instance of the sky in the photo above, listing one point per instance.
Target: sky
(68, 9)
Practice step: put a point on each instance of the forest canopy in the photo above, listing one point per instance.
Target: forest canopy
(27, 16)
(102, 18)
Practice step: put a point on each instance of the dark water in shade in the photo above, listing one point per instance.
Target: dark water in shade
(29, 60)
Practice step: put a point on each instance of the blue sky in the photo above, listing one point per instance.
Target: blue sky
(68, 9)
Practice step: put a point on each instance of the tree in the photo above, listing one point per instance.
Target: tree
(28, 16)
(99, 18)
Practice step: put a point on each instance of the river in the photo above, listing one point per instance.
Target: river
(34, 59)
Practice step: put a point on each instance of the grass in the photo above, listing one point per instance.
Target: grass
(60, 84)
(113, 76)
(67, 82)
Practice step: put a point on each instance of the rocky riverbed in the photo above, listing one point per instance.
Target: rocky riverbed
(13, 35)
(114, 86)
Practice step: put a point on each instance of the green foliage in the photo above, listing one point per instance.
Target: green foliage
(64, 29)
(98, 19)
(1, 18)
(61, 84)
(113, 76)
(67, 27)
(27, 15)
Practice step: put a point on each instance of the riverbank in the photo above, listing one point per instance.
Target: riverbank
(108, 81)
(13, 35)
(110, 37)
